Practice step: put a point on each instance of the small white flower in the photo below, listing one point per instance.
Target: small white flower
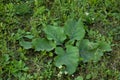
(72, 75)
(60, 67)
(93, 19)
(26, 1)
(59, 74)
(66, 72)
(86, 13)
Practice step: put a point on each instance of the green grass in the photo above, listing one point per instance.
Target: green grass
(20, 17)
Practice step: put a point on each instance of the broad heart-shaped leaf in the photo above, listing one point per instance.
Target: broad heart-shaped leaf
(41, 44)
(89, 51)
(74, 30)
(26, 44)
(55, 33)
(69, 58)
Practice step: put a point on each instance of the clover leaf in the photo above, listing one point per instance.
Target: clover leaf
(41, 44)
(68, 57)
(55, 33)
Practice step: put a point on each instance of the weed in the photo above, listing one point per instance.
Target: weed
(59, 39)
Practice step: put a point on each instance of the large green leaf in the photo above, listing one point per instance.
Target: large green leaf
(55, 33)
(25, 44)
(41, 44)
(74, 30)
(69, 58)
(90, 51)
